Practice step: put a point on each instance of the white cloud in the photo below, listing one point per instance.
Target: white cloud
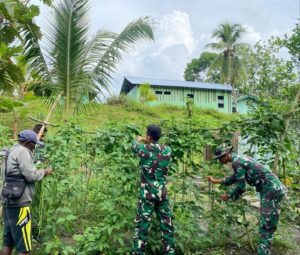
(251, 36)
(184, 28)
(175, 28)
(167, 56)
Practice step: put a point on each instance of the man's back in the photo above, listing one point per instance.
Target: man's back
(154, 163)
(20, 162)
(155, 160)
(256, 174)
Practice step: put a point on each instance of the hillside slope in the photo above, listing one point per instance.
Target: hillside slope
(121, 112)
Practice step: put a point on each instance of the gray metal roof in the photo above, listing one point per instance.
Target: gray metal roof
(131, 82)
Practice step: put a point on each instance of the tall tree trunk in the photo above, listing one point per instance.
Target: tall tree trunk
(285, 130)
(22, 90)
(234, 98)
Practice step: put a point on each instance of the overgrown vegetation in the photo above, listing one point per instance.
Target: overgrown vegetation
(88, 205)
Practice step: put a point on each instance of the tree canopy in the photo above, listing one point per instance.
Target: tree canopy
(229, 61)
(197, 69)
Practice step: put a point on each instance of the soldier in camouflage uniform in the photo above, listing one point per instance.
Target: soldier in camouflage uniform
(271, 190)
(39, 159)
(40, 149)
(155, 159)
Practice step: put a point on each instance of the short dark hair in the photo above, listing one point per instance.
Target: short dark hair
(154, 131)
(38, 127)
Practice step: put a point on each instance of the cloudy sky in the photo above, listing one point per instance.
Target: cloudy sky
(183, 28)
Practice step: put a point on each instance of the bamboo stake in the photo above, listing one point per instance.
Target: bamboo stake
(247, 229)
(49, 116)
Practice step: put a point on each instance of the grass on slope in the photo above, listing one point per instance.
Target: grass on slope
(100, 115)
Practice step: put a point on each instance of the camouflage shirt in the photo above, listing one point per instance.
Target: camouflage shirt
(155, 160)
(248, 170)
(39, 154)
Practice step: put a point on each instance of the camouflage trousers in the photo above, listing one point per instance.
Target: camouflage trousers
(143, 218)
(270, 210)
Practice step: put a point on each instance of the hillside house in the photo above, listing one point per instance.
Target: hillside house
(205, 95)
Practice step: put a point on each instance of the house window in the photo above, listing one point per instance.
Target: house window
(158, 92)
(190, 95)
(167, 92)
(220, 101)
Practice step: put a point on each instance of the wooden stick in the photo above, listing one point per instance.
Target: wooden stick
(43, 122)
(49, 116)
(247, 229)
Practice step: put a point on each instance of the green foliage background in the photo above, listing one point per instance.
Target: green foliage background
(88, 205)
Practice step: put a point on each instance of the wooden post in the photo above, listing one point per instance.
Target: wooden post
(208, 153)
(235, 140)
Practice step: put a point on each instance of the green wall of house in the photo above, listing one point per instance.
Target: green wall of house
(134, 93)
(244, 106)
(215, 99)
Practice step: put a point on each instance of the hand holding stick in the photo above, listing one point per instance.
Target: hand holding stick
(213, 180)
(48, 171)
(141, 139)
(225, 196)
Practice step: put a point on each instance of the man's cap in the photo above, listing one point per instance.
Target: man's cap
(28, 136)
(222, 149)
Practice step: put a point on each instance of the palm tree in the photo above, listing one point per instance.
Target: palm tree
(230, 59)
(74, 66)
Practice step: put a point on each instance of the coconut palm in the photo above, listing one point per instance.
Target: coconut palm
(230, 59)
(75, 66)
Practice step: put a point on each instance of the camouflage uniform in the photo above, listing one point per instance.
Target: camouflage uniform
(271, 191)
(155, 159)
(39, 157)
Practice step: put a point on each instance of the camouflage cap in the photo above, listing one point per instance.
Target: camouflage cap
(222, 150)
